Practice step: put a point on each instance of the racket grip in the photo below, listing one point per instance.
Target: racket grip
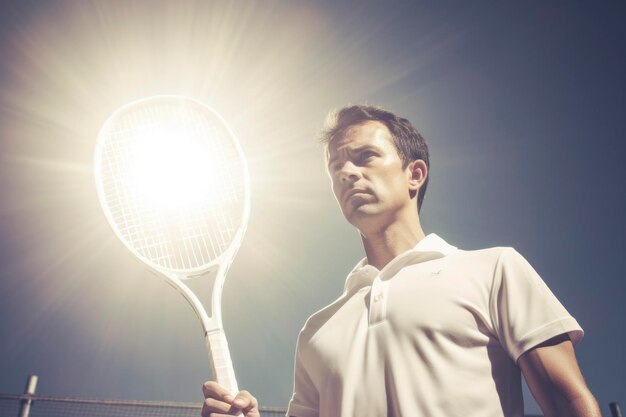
(221, 364)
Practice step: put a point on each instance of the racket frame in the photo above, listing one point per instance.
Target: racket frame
(212, 325)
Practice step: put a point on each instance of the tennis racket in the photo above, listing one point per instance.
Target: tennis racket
(174, 185)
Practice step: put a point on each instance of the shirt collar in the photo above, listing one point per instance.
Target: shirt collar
(430, 247)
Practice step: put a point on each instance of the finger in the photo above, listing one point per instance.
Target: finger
(212, 405)
(253, 406)
(212, 389)
(233, 412)
(245, 401)
(225, 415)
(252, 411)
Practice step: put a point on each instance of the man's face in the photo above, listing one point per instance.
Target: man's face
(367, 177)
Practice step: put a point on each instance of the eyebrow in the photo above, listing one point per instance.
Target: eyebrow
(355, 150)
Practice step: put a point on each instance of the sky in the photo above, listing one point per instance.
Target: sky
(521, 104)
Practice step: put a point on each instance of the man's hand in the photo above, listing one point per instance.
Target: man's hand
(218, 402)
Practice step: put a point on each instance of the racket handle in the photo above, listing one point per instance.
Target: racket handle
(222, 365)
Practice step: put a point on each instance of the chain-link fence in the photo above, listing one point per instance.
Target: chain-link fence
(31, 405)
(40, 406)
(11, 406)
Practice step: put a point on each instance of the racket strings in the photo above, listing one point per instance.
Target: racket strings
(184, 237)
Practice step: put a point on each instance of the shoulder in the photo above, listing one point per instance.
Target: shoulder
(487, 259)
(320, 317)
(488, 266)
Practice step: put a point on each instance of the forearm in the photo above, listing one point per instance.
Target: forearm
(554, 378)
(583, 405)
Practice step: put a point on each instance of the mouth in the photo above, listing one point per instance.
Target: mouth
(355, 192)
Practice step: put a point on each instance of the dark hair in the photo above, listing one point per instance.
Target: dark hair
(409, 143)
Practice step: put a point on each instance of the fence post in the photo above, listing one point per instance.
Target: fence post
(615, 410)
(31, 385)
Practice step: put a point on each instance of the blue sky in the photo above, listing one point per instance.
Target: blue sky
(521, 104)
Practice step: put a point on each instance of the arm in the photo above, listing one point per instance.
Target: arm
(555, 380)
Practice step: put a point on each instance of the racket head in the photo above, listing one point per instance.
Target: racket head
(183, 234)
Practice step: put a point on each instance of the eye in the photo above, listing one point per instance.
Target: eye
(367, 156)
(334, 166)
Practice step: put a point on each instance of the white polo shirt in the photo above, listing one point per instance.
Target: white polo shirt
(436, 333)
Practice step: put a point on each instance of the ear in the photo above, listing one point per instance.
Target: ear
(417, 172)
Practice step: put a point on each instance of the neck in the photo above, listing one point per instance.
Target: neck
(384, 245)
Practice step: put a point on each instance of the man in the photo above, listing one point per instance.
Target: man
(422, 328)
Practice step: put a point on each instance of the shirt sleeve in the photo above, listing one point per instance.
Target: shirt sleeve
(524, 311)
(305, 399)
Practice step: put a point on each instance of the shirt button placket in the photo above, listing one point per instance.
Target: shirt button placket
(377, 298)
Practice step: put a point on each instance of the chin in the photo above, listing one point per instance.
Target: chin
(364, 217)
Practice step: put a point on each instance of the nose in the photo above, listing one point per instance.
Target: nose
(348, 172)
